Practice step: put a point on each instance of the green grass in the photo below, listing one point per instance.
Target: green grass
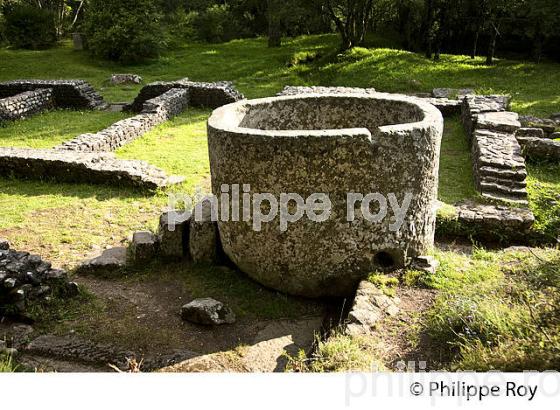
(456, 182)
(543, 186)
(7, 364)
(259, 71)
(496, 310)
(49, 129)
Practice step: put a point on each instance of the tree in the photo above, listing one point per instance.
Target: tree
(352, 19)
(127, 31)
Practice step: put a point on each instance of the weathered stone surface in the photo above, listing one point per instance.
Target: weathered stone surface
(111, 260)
(68, 166)
(499, 167)
(268, 351)
(503, 121)
(299, 90)
(548, 125)
(370, 306)
(333, 144)
(25, 277)
(451, 92)
(496, 222)
(155, 111)
(446, 106)
(118, 79)
(66, 93)
(144, 247)
(540, 148)
(211, 95)
(530, 133)
(174, 234)
(25, 104)
(427, 264)
(73, 348)
(203, 235)
(207, 311)
(4, 244)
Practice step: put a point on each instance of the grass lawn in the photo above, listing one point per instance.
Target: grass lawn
(48, 129)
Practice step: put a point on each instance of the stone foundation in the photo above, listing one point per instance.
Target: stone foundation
(87, 168)
(25, 104)
(156, 111)
(76, 94)
(536, 147)
(210, 95)
(498, 166)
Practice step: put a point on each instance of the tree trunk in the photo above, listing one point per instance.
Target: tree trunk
(492, 46)
(274, 24)
(475, 44)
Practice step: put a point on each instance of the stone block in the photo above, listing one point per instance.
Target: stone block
(203, 235)
(144, 247)
(174, 234)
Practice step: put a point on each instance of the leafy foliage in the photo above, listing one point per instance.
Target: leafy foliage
(28, 27)
(127, 31)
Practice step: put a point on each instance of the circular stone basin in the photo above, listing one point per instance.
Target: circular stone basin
(334, 144)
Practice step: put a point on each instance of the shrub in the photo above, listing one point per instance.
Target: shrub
(127, 31)
(28, 27)
(217, 24)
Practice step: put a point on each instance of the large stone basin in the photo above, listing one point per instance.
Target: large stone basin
(334, 144)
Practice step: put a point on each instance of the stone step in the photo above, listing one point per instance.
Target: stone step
(497, 188)
(502, 173)
(505, 198)
(504, 182)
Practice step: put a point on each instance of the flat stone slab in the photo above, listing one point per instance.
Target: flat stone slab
(504, 121)
(370, 306)
(67, 166)
(269, 349)
(110, 260)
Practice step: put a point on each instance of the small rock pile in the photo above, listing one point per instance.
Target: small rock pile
(119, 79)
(25, 278)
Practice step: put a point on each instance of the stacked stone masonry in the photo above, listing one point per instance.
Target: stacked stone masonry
(66, 93)
(25, 278)
(498, 165)
(90, 168)
(25, 104)
(208, 95)
(487, 220)
(155, 111)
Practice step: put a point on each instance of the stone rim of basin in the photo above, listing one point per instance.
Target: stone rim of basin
(229, 117)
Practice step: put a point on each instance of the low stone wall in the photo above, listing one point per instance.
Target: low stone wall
(210, 95)
(66, 93)
(25, 104)
(535, 146)
(498, 166)
(64, 166)
(155, 111)
(488, 223)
